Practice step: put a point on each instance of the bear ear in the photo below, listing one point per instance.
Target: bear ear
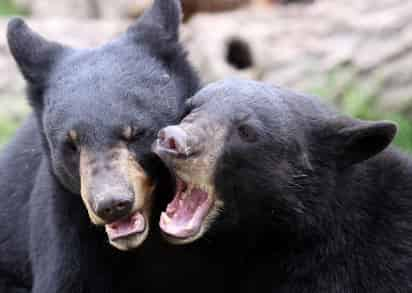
(161, 21)
(33, 54)
(359, 140)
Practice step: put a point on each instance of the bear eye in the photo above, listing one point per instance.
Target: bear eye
(131, 134)
(247, 133)
(72, 141)
(188, 107)
(72, 146)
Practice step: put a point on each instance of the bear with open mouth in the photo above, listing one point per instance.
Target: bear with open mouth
(308, 199)
(78, 181)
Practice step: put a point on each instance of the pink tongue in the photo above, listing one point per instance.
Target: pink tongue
(184, 217)
(126, 227)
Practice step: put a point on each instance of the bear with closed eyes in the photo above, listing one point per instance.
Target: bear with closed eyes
(78, 181)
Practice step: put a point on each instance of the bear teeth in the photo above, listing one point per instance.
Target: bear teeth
(171, 209)
(185, 194)
(165, 219)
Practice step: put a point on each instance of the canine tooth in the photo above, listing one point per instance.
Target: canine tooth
(184, 195)
(171, 209)
(165, 218)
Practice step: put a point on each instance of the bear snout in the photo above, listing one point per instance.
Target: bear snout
(113, 207)
(173, 140)
(113, 187)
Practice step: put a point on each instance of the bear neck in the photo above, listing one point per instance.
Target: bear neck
(369, 203)
(370, 206)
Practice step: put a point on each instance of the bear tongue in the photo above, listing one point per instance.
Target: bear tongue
(126, 227)
(185, 214)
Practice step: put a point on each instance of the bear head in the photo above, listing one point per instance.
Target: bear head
(99, 111)
(253, 159)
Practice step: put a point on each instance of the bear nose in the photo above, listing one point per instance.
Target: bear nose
(174, 139)
(113, 208)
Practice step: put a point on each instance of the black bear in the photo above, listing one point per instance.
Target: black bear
(84, 155)
(308, 200)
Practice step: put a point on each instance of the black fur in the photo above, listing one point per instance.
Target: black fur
(314, 201)
(47, 243)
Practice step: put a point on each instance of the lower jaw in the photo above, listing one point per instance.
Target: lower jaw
(182, 240)
(130, 242)
(190, 232)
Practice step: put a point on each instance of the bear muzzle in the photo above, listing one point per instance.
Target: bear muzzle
(173, 141)
(190, 151)
(117, 193)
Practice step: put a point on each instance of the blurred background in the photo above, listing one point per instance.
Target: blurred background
(354, 54)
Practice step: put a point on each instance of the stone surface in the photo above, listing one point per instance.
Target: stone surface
(114, 9)
(72, 8)
(121, 8)
(195, 6)
(107, 9)
(328, 44)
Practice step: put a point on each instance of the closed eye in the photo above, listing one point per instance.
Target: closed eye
(72, 141)
(71, 146)
(131, 134)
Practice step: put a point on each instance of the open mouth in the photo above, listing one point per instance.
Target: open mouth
(186, 214)
(132, 225)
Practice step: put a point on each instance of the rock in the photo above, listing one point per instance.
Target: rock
(311, 47)
(192, 7)
(112, 9)
(64, 9)
(107, 9)
(121, 9)
(23, 4)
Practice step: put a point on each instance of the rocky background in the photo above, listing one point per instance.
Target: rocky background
(357, 54)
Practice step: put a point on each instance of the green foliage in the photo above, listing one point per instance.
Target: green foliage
(7, 8)
(362, 106)
(7, 129)
(404, 136)
(359, 102)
